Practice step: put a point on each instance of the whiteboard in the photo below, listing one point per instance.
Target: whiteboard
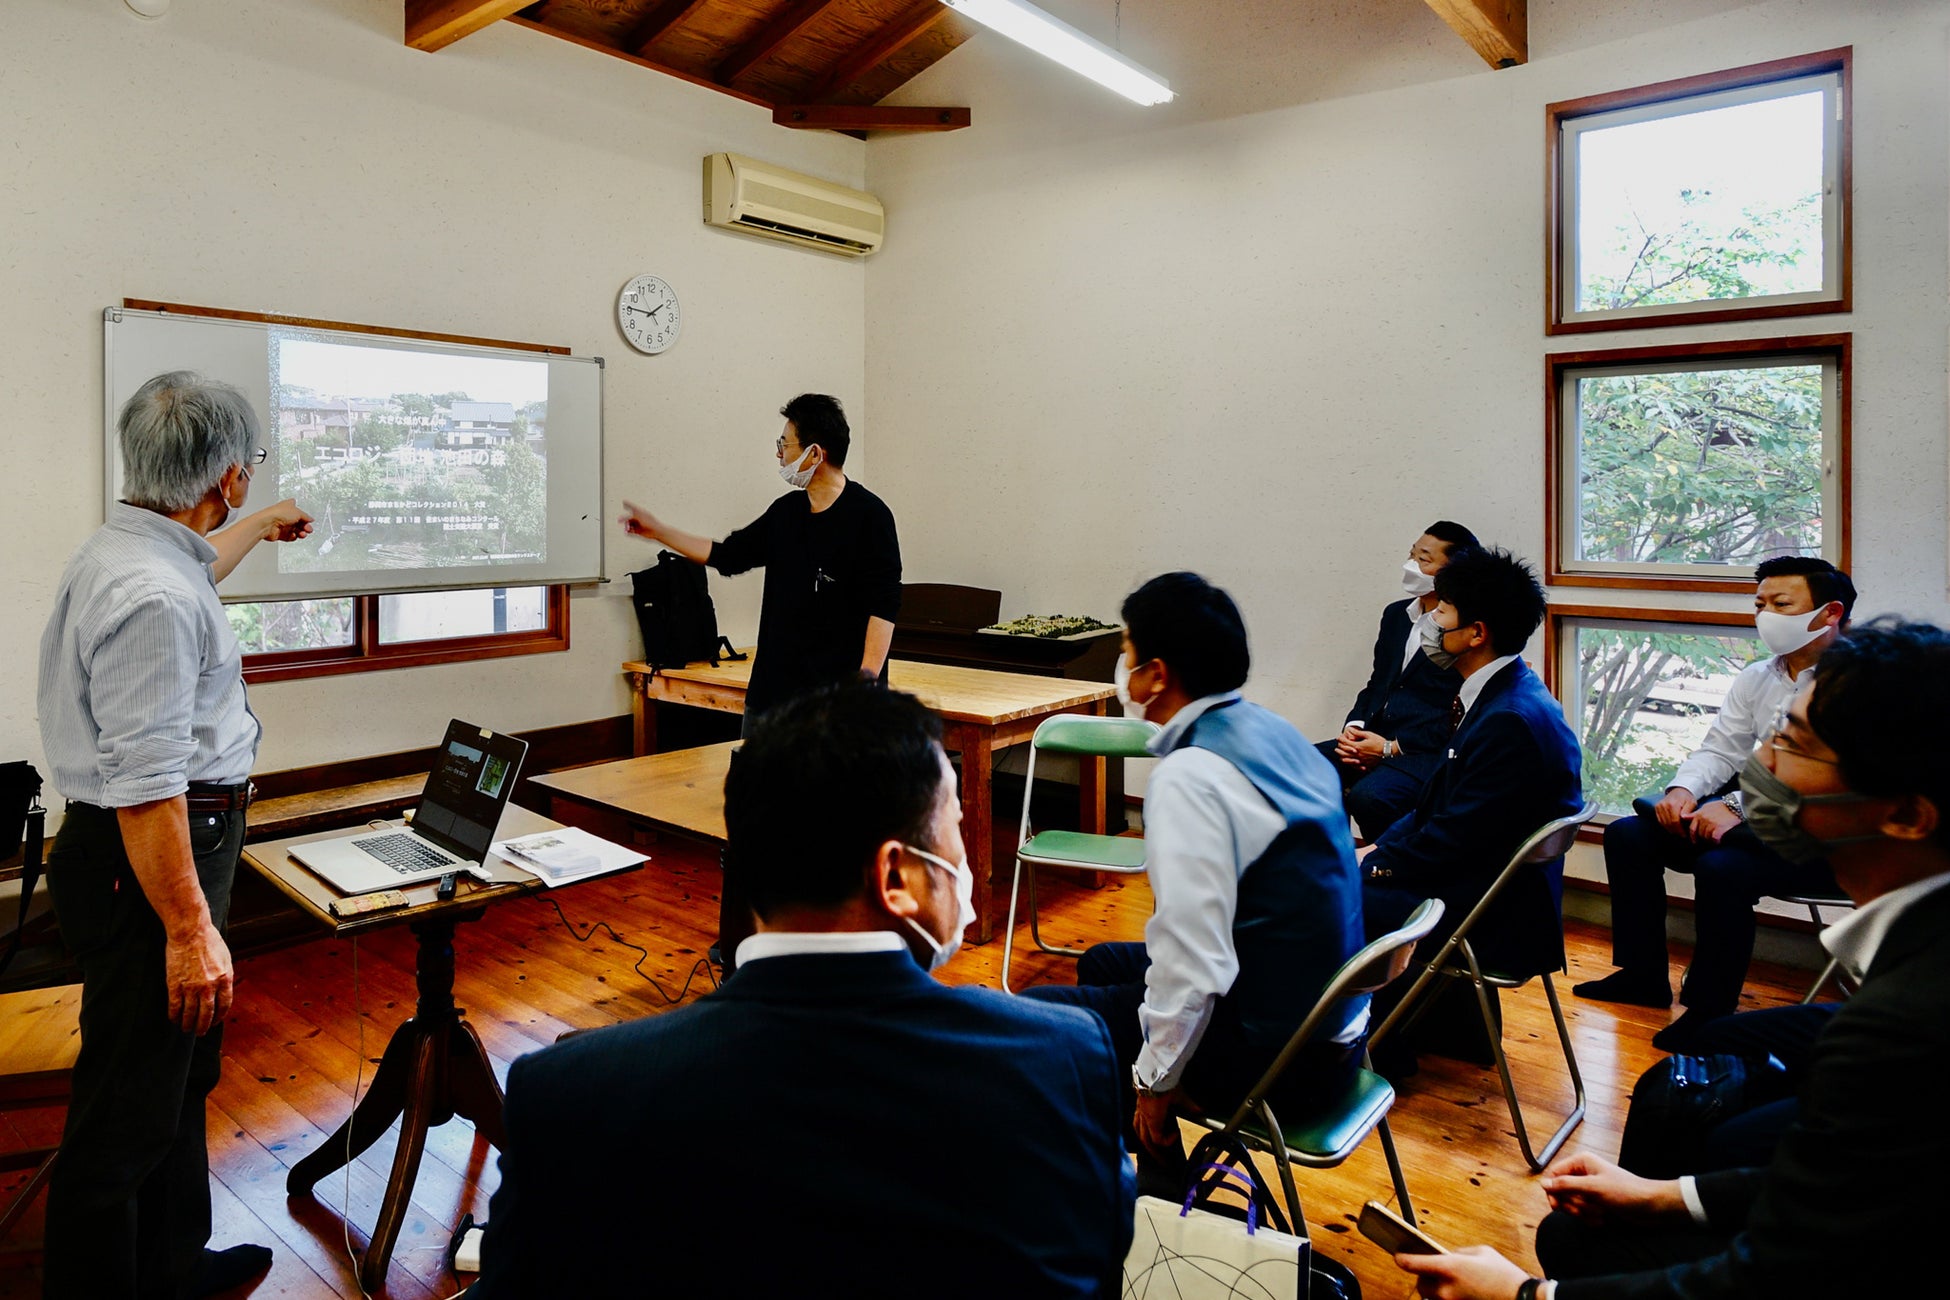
(426, 465)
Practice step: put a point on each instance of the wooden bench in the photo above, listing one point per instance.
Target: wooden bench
(335, 808)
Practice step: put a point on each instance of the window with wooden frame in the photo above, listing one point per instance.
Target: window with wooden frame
(1680, 468)
(1640, 688)
(1712, 198)
(284, 640)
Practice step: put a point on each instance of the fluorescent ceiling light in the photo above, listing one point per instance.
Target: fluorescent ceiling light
(1053, 38)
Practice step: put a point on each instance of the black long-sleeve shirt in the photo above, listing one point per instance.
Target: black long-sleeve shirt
(826, 574)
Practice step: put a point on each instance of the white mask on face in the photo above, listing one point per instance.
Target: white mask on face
(1786, 633)
(1414, 581)
(1122, 677)
(795, 475)
(964, 907)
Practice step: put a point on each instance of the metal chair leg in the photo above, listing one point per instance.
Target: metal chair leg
(1009, 931)
(1536, 1160)
(1035, 930)
(1395, 1172)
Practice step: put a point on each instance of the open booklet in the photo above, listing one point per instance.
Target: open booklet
(567, 855)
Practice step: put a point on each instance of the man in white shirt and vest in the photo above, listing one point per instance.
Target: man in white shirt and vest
(1801, 606)
(150, 739)
(1251, 864)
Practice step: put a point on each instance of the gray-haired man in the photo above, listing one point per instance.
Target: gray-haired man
(145, 726)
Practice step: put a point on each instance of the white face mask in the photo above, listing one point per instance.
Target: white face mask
(1786, 633)
(795, 475)
(964, 907)
(1414, 581)
(1122, 676)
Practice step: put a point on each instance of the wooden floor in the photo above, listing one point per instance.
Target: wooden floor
(302, 1028)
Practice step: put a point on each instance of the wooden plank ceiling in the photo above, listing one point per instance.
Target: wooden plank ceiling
(818, 64)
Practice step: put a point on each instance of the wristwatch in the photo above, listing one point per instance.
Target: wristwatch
(1528, 1291)
(1732, 800)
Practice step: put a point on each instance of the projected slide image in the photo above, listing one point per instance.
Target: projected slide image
(406, 458)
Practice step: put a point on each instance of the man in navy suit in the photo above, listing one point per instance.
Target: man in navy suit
(1851, 1200)
(1398, 730)
(1511, 765)
(832, 1121)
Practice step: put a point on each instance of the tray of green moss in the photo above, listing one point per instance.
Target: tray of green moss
(1052, 627)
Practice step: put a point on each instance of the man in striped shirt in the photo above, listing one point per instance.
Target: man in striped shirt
(150, 739)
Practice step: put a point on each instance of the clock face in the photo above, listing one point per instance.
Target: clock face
(646, 311)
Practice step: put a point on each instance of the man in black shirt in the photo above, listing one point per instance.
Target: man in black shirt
(831, 557)
(832, 566)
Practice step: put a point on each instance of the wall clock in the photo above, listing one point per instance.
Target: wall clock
(646, 312)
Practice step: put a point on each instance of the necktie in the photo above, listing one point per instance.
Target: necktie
(1455, 714)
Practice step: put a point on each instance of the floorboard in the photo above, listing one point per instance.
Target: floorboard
(300, 1030)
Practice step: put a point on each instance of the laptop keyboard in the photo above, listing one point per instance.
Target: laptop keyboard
(403, 853)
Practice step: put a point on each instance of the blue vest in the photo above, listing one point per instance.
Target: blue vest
(1299, 910)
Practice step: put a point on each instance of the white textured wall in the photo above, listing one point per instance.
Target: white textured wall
(1108, 341)
(295, 157)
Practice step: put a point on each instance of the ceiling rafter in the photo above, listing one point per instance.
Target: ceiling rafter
(658, 21)
(436, 24)
(773, 34)
(905, 28)
(1496, 29)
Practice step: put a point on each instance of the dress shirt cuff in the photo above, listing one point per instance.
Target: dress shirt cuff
(1548, 1291)
(1689, 1193)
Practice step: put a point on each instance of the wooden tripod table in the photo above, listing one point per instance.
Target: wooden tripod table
(434, 1067)
(981, 710)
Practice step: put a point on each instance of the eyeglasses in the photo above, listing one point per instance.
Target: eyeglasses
(257, 457)
(1775, 737)
(779, 445)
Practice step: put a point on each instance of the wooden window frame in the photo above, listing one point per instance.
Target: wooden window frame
(1754, 74)
(1558, 365)
(1557, 619)
(368, 653)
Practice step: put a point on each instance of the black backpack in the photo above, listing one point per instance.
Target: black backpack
(1680, 1100)
(675, 613)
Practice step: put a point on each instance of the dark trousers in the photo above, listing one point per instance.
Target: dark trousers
(1385, 793)
(1569, 1247)
(1748, 1139)
(1728, 879)
(128, 1206)
(1110, 982)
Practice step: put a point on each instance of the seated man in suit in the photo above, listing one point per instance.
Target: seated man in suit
(1851, 1200)
(1510, 766)
(832, 1121)
(1801, 606)
(1252, 868)
(1398, 730)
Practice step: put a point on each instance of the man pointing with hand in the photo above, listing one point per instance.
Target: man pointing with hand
(151, 741)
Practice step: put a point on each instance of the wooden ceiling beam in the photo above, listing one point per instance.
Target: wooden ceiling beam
(658, 21)
(1496, 29)
(905, 28)
(628, 57)
(829, 117)
(791, 20)
(436, 24)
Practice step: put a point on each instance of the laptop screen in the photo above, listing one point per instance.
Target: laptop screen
(467, 789)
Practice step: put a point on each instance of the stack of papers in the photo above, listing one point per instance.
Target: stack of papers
(564, 856)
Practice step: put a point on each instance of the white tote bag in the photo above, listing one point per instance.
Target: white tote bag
(1180, 1253)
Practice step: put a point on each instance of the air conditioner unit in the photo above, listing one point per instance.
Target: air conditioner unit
(745, 194)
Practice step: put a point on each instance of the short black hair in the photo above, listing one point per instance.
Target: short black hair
(1194, 627)
(821, 783)
(820, 423)
(1885, 670)
(1493, 587)
(1826, 583)
(1451, 534)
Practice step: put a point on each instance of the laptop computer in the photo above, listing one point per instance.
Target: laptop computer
(466, 791)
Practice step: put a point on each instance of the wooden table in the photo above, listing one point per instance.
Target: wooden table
(682, 791)
(981, 711)
(434, 1067)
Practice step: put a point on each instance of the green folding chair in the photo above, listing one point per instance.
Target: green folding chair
(1085, 737)
(1328, 1136)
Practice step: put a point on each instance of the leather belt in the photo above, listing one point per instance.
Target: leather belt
(205, 798)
